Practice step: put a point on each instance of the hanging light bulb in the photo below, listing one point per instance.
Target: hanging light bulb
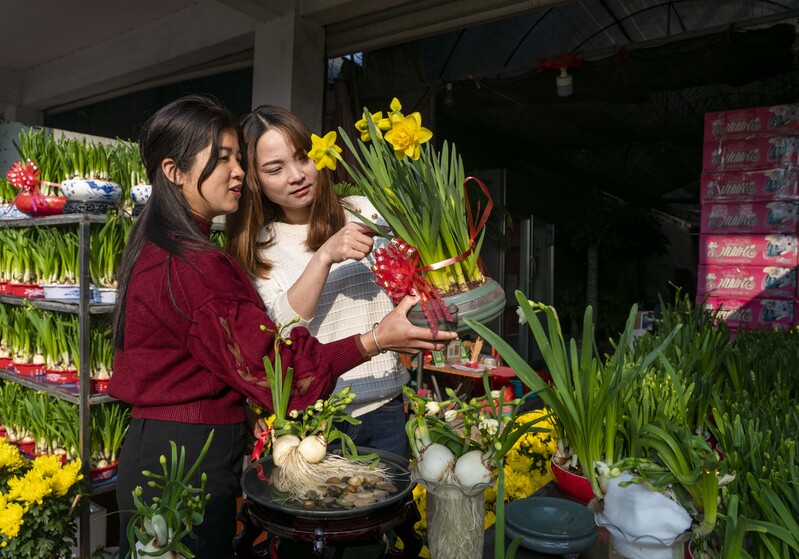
(449, 99)
(564, 83)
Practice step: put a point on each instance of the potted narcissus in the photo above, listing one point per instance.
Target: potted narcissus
(421, 193)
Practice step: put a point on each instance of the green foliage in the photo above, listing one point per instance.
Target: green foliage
(36, 505)
(162, 525)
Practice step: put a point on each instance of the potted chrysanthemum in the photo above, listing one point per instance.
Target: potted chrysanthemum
(421, 193)
(37, 500)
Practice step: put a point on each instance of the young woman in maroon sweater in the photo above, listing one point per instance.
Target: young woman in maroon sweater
(187, 324)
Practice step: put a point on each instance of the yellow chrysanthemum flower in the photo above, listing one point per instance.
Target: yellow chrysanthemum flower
(10, 457)
(46, 466)
(10, 517)
(324, 151)
(29, 489)
(63, 480)
(407, 135)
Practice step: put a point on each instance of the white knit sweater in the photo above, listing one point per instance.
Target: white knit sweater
(351, 303)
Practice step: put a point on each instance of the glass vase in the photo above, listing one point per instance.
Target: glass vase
(455, 519)
(455, 523)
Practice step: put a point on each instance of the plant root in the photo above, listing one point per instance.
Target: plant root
(296, 475)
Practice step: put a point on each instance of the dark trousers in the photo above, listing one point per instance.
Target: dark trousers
(148, 439)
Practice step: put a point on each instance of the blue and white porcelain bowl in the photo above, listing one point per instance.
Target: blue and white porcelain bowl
(91, 190)
(10, 211)
(140, 193)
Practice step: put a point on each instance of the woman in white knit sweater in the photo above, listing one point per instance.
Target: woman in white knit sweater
(313, 260)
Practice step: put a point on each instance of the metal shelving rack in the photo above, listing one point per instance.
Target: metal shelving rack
(84, 309)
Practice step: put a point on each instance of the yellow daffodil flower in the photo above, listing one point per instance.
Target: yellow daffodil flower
(381, 123)
(396, 107)
(407, 135)
(324, 151)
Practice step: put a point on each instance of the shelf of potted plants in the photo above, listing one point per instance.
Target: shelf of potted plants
(72, 253)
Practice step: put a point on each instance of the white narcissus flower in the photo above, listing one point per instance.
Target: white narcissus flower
(432, 408)
(495, 394)
(450, 415)
(489, 425)
(293, 414)
(318, 405)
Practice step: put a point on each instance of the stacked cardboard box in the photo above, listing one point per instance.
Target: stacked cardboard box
(748, 232)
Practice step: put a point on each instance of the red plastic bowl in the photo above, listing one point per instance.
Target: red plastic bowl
(29, 369)
(99, 385)
(572, 485)
(5, 362)
(26, 448)
(29, 290)
(61, 377)
(103, 474)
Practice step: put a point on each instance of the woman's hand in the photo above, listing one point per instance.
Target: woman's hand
(396, 333)
(353, 241)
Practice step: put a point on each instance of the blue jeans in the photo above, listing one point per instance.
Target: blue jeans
(383, 428)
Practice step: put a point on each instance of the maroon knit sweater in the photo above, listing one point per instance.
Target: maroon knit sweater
(196, 359)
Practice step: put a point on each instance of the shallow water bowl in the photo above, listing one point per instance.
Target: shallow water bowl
(104, 295)
(551, 525)
(60, 292)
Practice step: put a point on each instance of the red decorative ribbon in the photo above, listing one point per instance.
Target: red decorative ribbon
(26, 179)
(397, 272)
(474, 229)
(258, 449)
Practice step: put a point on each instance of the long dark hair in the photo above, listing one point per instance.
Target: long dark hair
(178, 131)
(243, 228)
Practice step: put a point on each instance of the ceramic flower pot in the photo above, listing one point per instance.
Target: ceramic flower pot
(10, 211)
(93, 190)
(40, 206)
(141, 193)
(551, 525)
(104, 295)
(642, 523)
(482, 304)
(572, 485)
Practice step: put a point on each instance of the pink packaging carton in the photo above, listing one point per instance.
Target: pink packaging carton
(752, 313)
(755, 153)
(749, 217)
(781, 183)
(749, 250)
(746, 282)
(748, 123)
